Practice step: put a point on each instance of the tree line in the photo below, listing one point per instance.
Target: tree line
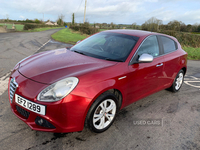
(153, 24)
(156, 25)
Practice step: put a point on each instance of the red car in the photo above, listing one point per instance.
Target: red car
(63, 90)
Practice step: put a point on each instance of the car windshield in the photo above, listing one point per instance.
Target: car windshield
(106, 45)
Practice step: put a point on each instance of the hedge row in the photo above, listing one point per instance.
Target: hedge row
(33, 26)
(185, 39)
(84, 28)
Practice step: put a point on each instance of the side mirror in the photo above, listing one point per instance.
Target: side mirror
(145, 58)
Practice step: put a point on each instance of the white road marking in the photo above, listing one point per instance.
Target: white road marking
(193, 80)
(187, 82)
(4, 83)
(4, 80)
(43, 45)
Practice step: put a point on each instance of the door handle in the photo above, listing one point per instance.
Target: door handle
(159, 65)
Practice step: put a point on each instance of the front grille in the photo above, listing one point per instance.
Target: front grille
(13, 87)
(23, 112)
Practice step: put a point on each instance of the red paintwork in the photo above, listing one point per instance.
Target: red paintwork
(59, 64)
(95, 77)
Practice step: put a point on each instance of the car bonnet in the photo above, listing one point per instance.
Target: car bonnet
(51, 66)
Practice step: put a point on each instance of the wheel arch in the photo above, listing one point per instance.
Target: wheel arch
(118, 94)
(184, 69)
(115, 91)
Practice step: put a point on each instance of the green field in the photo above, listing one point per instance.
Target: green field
(42, 29)
(68, 36)
(19, 27)
(102, 29)
(196, 33)
(193, 53)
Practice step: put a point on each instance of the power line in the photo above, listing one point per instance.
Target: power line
(79, 6)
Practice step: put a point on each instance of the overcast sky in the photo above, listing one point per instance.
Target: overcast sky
(100, 11)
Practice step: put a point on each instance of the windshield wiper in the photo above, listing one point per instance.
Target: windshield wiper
(79, 52)
(110, 59)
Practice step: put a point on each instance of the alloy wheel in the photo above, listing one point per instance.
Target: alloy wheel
(179, 81)
(104, 114)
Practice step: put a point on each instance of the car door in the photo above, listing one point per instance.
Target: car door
(172, 59)
(144, 78)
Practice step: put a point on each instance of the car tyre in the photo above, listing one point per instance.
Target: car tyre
(102, 113)
(178, 81)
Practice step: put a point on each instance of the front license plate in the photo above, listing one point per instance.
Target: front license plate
(34, 107)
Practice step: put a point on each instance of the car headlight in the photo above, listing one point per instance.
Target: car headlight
(58, 90)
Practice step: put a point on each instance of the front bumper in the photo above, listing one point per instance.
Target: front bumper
(66, 115)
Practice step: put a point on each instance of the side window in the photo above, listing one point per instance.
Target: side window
(149, 46)
(169, 45)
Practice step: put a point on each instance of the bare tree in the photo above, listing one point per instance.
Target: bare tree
(175, 25)
(112, 25)
(134, 25)
(152, 24)
(60, 20)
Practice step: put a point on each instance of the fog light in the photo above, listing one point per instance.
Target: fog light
(40, 121)
(44, 123)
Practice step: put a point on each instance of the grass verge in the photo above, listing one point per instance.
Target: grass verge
(193, 53)
(68, 36)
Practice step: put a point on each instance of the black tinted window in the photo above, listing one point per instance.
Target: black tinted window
(150, 46)
(108, 46)
(168, 44)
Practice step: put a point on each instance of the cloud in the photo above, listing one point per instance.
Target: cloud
(190, 17)
(162, 14)
(117, 11)
(21, 17)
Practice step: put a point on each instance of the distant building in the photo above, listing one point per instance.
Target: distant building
(51, 23)
(105, 25)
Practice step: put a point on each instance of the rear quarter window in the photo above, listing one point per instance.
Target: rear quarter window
(169, 45)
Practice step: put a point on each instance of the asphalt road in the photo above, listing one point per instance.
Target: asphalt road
(179, 112)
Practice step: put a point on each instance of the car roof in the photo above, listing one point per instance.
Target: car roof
(138, 33)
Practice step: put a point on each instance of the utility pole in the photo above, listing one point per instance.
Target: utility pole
(84, 11)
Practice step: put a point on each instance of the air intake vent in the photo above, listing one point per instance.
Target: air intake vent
(23, 112)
